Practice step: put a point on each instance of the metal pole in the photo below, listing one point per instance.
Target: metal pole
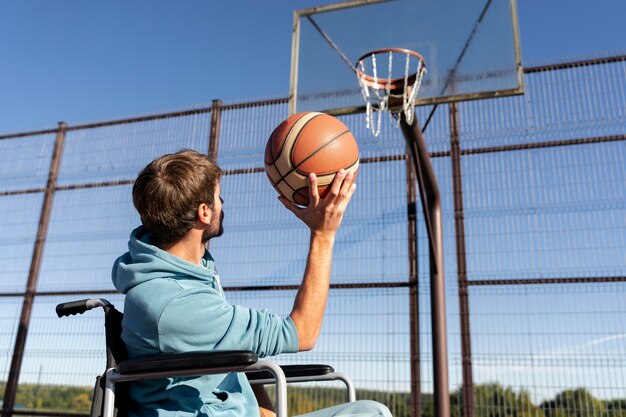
(216, 121)
(33, 274)
(431, 204)
(214, 137)
(459, 226)
(416, 389)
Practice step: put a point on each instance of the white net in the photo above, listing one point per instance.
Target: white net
(391, 92)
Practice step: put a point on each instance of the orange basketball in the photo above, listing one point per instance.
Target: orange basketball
(305, 143)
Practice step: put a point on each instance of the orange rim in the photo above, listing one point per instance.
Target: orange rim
(395, 84)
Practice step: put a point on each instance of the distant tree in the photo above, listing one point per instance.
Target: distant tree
(428, 405)
(456, 402)
(51, 397)
(82, 401)
(574, 403)
(616, 408)
(494, 400)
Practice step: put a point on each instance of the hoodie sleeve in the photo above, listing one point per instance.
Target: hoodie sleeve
(203, 320)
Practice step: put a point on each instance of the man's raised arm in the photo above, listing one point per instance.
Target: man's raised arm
(323, 216)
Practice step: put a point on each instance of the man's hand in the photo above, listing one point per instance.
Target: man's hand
(324, 216)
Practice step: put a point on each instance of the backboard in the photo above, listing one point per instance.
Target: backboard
(471, 49)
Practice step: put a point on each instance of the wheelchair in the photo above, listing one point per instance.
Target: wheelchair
(110, 396)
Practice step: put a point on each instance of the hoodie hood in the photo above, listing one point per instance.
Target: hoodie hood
(144, 262)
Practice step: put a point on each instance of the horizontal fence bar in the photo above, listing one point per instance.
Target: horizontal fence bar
(20, 192)
(401, 284)
(31, 133)
(94, 185)
(539, 145)
(158, 116)
(539, 281)
(181, 113)
(359, 285)
(259, 103)
(575, 64)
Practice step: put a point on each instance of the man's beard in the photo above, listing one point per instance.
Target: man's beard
(209, 233)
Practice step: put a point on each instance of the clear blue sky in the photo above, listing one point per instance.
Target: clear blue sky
(82, 61)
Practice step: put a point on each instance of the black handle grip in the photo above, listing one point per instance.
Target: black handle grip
(72, 308)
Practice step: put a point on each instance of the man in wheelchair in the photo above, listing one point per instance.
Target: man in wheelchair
(175, 303)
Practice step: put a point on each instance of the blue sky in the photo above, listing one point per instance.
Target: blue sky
(81, 61)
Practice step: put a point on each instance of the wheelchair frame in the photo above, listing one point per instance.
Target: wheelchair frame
(121, 369)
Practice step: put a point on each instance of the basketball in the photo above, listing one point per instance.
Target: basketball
(305, 143)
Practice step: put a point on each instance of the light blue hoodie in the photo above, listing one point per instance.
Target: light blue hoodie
(174, 306)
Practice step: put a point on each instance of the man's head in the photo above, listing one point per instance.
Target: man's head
(169, 193)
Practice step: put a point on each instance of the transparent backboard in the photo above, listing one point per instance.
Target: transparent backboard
(471, 49)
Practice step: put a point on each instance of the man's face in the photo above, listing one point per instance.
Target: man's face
(216, 227)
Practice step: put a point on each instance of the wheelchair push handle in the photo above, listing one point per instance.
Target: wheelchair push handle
(80, 306)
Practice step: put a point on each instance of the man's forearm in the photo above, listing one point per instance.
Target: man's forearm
(266, 409)
(310, 303)
(323, 217)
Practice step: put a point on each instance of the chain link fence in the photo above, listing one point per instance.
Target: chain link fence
(534, 215)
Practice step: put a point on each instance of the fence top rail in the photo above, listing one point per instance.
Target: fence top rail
(112, 122)
(147, 118)
(283, 100)
(575, 64)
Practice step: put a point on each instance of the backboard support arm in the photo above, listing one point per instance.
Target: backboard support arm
(431, 204)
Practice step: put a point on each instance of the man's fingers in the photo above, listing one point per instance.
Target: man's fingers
(335, 186)
(347, 189)
(289, 205)
(314, 194)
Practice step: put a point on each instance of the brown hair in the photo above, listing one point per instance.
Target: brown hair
(168, 192)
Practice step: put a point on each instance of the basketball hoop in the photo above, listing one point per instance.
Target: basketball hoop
(390, 91)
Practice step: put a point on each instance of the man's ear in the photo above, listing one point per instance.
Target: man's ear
(204, 213)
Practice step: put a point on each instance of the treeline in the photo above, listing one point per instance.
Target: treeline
(494, 400)
(491, 400)
(51, 397)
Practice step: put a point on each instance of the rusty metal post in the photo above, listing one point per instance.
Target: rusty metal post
(431, 205)
(214, 137)
(416, 388)
(459, 226)
(216, 121)
(33, 274)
